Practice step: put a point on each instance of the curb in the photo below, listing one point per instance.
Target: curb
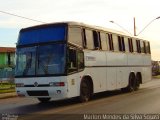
(8, 95)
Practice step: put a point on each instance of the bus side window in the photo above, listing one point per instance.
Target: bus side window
(138, 46)
(96, 40)
(130, 44)
(104, 41)
(111, 48)
(134, 45)
(99, 39)
(89, 39)
(71, 62)
(144, 44)
(148, 48)
(84, 38)
(121, 43)
(142, 47)
(80, 58)
(115, 42)
(126, 44)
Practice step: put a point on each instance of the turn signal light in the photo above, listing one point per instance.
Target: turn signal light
(19, 84)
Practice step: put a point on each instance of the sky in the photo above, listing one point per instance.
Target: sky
(94, 12)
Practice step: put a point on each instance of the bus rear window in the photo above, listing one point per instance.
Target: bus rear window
(41, 35)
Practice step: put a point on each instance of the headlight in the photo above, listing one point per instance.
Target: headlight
(56, 84)
(51, 84)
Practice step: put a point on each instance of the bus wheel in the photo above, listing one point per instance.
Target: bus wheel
(137, 85)
(85, 91)
(138, 79)
(44, 100)
(132, 84)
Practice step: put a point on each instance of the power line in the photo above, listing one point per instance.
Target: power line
(21, 16)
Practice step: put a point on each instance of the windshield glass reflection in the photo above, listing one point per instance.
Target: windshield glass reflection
(41, 60)
(51, 59)
(26, 61)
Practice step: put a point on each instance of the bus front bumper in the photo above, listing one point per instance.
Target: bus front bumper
(56, 93)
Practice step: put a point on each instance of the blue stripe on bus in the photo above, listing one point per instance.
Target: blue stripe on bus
(41, 35)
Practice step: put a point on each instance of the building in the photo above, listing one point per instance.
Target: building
(7, 62)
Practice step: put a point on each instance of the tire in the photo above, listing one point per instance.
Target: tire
(132, 84)
(137, 85)
(44, 100)
(137, 82)
(85, 91)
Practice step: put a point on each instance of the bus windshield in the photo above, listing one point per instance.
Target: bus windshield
(41, 60)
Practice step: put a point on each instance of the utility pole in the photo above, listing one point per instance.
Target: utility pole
(134, 20)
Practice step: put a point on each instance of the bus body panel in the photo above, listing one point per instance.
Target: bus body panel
(111, 78)
(146, 74)
(73, 81)
(147, 60)
(116, 69)
(147, 71)
(115, 59)
(95, 62)
(135, 62)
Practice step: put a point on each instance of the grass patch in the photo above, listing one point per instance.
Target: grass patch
(6, 90)
(6, 86)
(157, 77)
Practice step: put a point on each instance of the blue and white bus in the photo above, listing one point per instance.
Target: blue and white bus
(64, 60)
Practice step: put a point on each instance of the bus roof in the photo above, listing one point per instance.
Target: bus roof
(72, 23)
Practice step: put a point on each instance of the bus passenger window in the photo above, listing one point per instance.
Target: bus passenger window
(138, 46)
(96, 40)
(148, 48)
(144, 44)
(130, 44)
(71, 62)
(89, 39)
(126, 44)
(84, 38)
(115, 42)
(121, 43)
(111, 48)
(142, 47)
(80, 59)
(104, 41)
(99, 38)
(134, 45)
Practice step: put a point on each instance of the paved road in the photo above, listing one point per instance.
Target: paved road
(144, 101)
